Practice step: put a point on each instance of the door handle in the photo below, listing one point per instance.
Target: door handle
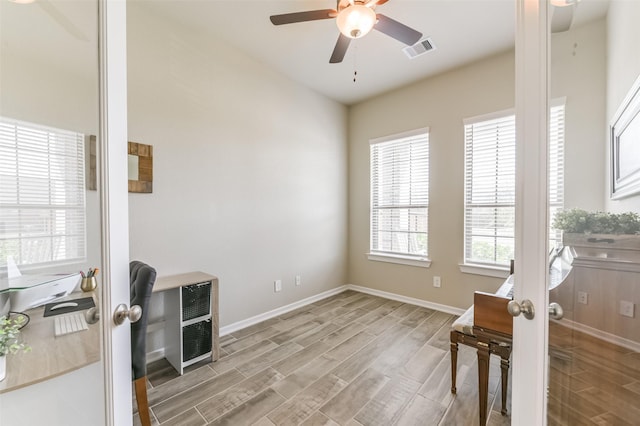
(92, 316)
(526, 308)
(122, 312)
(555, 311)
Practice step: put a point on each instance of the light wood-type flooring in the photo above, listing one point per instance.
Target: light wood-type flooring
(351, 359)
(591, 382)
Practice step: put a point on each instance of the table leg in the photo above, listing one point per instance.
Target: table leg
(454, 365)
(504, 365)
(483, 381)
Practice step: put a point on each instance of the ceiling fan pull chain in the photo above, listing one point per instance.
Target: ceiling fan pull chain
(355, 60)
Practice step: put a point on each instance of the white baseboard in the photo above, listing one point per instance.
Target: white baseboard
(156, 355)
(228, 329)
(405, 299)
(602, 335)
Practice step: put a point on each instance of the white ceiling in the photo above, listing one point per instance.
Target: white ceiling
(461, 30)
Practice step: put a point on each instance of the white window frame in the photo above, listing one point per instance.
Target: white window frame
(556, 172)
(42, 195)
(419, 178)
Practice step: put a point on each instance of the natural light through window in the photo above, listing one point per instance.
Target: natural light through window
(42, 195)
(490, 185)
(400, 196)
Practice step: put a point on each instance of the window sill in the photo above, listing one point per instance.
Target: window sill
(487, 271)
(410, 261)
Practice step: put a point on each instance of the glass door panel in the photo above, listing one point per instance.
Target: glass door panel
(50, 216)
(594, 363)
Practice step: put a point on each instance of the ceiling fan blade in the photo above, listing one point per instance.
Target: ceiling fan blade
(62, 20)
(380, 2)
(396, 30)
(311, 15)
(561, 18)
(340, 50)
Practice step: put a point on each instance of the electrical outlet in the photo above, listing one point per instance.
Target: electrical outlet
(298, 280)
(277, 286)
(437, 282)
(583, 297)
(626, 308)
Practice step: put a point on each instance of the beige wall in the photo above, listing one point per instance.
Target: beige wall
(441, 103)
(250, 170)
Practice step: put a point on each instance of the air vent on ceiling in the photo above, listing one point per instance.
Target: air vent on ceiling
(420, 48)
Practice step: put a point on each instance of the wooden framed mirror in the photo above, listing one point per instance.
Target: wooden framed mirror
(140, 167)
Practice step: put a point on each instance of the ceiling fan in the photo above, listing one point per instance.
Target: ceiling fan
(355, 18)
(562, 16)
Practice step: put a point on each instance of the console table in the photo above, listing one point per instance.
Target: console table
(191, 324)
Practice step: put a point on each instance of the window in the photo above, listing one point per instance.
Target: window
(400, 196)
(42, 198)
(490, 185)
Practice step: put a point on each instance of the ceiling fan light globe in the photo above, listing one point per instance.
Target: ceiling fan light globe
(563, 3)
(356, 21)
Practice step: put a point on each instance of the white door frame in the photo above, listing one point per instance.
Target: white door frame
(114, 209)
(529, 397)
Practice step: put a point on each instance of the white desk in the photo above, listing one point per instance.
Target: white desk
(50, 356)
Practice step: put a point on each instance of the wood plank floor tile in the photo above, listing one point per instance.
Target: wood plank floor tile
(303, 405)
(319, 419)
(296, 331)
(188, 418)
(300, 358)
(252, 410)
(255, 328)
(268, 358)
(350, 346)
(421, 411)
(190, 398)
(346, 404)
(362, 359)
(303, 377)
(179, 384)
(239, 344)
(344, 333)
(422, 364)
(404, 310)
(243, 356)
(222, 403)
(312, 336)
(385, 408)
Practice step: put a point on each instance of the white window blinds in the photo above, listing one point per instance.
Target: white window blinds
(490, 190)
(400, 194)
(556, 169)
(42, 198)
(490, 185)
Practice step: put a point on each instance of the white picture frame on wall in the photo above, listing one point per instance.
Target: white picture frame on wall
(625, 146)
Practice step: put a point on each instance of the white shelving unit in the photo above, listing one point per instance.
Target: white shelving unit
(191, 318)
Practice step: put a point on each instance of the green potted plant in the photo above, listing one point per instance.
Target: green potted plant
(10, 340)
(581, 227)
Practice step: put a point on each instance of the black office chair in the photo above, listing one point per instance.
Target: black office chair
(141, 278)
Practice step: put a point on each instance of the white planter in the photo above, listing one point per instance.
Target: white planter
(3, 367)
(616, 241)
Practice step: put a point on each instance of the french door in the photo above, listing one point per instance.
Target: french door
(63, 65)
(531, 270)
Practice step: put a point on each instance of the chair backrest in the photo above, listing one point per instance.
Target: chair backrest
(141, 278)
